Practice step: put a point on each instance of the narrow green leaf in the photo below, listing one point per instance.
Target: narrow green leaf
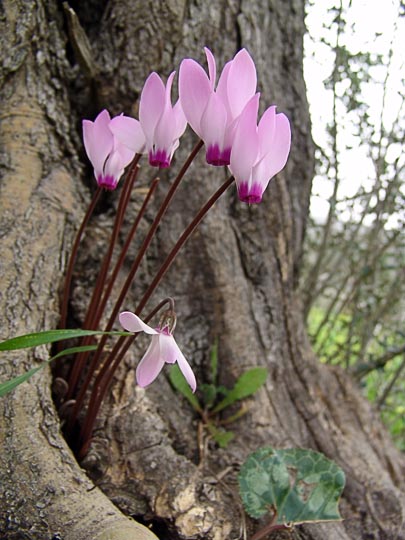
(301, 485)
(248, 383)
(74, 350)
(50, 336)
(9, 385)
(6, 387)
(181, 385)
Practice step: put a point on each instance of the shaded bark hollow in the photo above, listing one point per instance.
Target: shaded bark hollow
(234, 282)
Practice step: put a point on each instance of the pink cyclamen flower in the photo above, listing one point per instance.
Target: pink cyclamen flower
(213, 113)
(259, 151)
(161, 124)
(163, 348)
(108, 156)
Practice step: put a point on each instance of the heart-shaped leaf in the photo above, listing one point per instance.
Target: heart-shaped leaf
(300, 485)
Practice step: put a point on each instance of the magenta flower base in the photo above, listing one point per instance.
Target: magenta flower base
(214, 156)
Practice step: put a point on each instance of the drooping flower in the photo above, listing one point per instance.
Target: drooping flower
(106, 153)
(213, 113)
(161, 124)
(163, 349)
(259, 151)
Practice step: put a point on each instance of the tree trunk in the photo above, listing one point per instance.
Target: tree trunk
(234, 282)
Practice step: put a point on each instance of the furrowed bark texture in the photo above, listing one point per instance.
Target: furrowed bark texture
(43, 491)
(234, 282)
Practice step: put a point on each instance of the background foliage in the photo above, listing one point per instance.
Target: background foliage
(354, 279)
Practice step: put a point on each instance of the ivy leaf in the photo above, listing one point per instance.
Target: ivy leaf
(181, 385)
(300, 485)
(50, 336)
(9, 385)
(248, 383)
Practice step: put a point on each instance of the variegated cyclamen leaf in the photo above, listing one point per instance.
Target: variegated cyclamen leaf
(300, 485)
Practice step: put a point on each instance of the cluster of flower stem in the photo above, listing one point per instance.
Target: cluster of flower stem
(92, 372)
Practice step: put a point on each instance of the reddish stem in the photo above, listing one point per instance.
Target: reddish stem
(129, 280)
(150, 235)
(270, 527)
(96, 356)
(104, 377)
(117, 268)
(180, 242)
(73, 255)
(81, 358)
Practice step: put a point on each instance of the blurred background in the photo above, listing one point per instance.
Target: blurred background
(353, 277)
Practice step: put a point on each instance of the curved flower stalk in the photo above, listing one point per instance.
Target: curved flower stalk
(106, 153)
(213, 113)
(161, 124)
(259, 151)
(163, 349)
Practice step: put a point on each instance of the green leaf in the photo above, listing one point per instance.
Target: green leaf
(247, 384)
(209, 394)
(7, 386)
(181, 385)
(50, 336)
(220, 436)
(301, 485)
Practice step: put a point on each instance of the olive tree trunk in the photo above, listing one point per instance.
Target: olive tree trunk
(234, 284)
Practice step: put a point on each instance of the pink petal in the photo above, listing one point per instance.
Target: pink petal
(151, 364)
(222, 86)
(180, 119)
(98, 140)
(194, 92)
(245, 147)
(242, 82)
(267, 129)
(168, 90)
(126, 155)
(151, 105)
(277, 156)
(230, 132)
(212, 68)
(213, 122)
(129, 132)
(133, 323)
(186, 369)
(168, 348)
(165, 131)
(114, 167)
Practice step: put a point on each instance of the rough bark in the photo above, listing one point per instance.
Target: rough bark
(234, 281)
(44, 493)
